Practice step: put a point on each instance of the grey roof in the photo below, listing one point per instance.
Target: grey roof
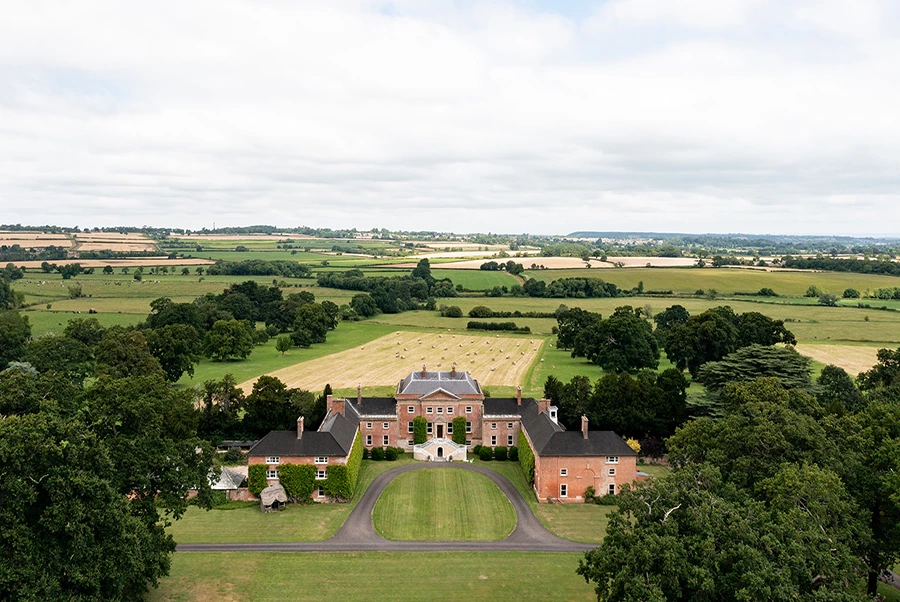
(538, 426)
(334, 438)
(461, 383)
(552, 439)
(229, 479)
(501, 406)
(377, 406)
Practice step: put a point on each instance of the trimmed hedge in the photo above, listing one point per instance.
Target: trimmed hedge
(340, 481)
(420, 430)
(256, 478)
(526, 458)
(513, 454)
(485, 454)
(377, 454)
(500, 454)
(459, 430)
(298, 480)
(504, 326)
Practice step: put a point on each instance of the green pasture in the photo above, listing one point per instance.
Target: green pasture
(477, 280)
(373, 577)
(724, 280)
(443, 505)
(43, 322)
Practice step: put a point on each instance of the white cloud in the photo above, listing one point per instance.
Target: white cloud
(718, 115)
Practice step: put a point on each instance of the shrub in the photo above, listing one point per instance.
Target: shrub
(589, 494)
(260, 337)
(485, 454)
(459, 430)
(391, 454)
(420, 430)
(377, 454)
(451, 312)
(828, 300)
(500, 454)
(526, 458)
(233, 455)
(480, 311)
(767, 292)
(513, 454)
(851, 293)
(256, 478)
(365, 453)
(477, 450)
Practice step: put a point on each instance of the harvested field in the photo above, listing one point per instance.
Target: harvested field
(117, 246)
(198, 237)
(475, 264)
(119, 263)
(493, 360)
(852, 358)
(34, 240)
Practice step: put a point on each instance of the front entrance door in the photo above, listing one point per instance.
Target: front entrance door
(440, 431)
(440, 452)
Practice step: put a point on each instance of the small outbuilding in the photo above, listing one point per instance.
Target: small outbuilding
(272, 498)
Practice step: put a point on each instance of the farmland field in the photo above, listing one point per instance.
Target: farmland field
(443, 505)
(493, 360)
(373, 577)
(852, 358)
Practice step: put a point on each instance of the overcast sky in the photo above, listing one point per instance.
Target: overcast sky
(759, 116)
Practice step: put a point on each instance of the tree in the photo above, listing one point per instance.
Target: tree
(851, 293)
(283, 344)
(883, 374)
(122, 354)
(423, 271)
(757, 361)
(420, 430)
(86, 330)
(837, 392)
(14, 332)
(691, 536)
(227, 339)
(665, 320)
(705, 337)
(756, 329)
(364, 305)
(221, 404)
(69, 357)
(828, 300)
(8, 297)
(571, 323)
(313, 322)
(177, 347)
(270, 406)
(621, 342)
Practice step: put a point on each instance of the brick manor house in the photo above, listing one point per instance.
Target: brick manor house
(565, 462)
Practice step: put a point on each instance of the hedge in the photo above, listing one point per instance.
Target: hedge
(298, 480)
(340, 481)
(513, 454)
(505, 326)
(420, 430)
(459, 430)
(526, 458)
(485, 454)
(256, 478)
(500, 454)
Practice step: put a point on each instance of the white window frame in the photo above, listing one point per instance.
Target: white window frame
(429, 410)
(493, 440)
(563, 472)
(410, 443)
(368, 440)
(410, 428)
(385, 425)
(430, 429)
(440, 410)
(385, 440)
(273, 459)
(612, 459)
(321, 475)
(509, 440)
(612, 472)
(368, 425)
(468, 427)
(468, 409)
(449, 428)
(563, 490)
(468, 442)
(612, 489)
(321, 460)
(320, 491)
(410, 409)
(271, 474)
(450, 410)
(493, 426)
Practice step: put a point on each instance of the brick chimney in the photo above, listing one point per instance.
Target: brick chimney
(338, 405)
(518, 395)
(424, 372)
(543, 406)
(584, 426)
(359, 393)
(453, 371)
(300, 428)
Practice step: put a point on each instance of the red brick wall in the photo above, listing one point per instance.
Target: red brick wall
(378, 431)
(502, 430)
(581, 473)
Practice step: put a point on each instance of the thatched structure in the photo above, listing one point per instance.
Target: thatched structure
(272, 497)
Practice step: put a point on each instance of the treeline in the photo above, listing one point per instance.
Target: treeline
(259, 267)
(505, 326)
(480, 311)
(510, 267)
(588, 288)
(19, 253)
(832, 264)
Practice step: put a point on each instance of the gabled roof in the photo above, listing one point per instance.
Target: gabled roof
(229, 479)
(456, 383)
(376, 406)
(552, 439)
(439, 390)
(334, 438)
(501, 406)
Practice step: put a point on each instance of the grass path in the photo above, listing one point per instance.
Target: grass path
(443, 505)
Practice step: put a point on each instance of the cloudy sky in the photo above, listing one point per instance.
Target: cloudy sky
(765, 116)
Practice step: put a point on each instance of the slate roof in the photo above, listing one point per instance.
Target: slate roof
(501, 406)
(334, 438)
(377, 406)
(552, 439)
(460, 384)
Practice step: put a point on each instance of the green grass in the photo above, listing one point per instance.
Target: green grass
(265, 358)
(476, 280)
(298, 522)
(373, 577)
(890, 594)
(724, 280)
(654, 470)
(443, 505)
(43, 322)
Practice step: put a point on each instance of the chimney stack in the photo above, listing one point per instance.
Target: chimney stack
(329, 403)
(359, 393)
(453, 371)
(300, 428)
(518, 394)
(338, 405)
(424, 372)
(543, 406)
(584, 426)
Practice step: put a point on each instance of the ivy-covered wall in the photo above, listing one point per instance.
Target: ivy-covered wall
(256, 478)
(298, 480)
(526, 458)
(420, 430)
(459, 430)
(341, 481)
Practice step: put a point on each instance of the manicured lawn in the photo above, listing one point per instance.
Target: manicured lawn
(373, 577)
(298, 522)
(443, 505)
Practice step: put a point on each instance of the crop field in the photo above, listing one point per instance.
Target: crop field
(494, 360)
(725, 280)
(443, 505)
(373, 577)
(852, 358)
(34, 240)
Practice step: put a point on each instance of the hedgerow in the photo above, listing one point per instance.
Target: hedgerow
(526, 458)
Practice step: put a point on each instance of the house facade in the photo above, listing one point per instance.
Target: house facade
(566, 462)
